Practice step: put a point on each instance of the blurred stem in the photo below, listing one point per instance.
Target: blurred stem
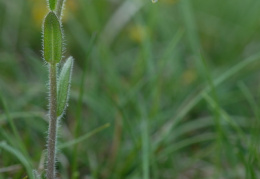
(79, 108)
(145, 141)
(78, 123)
(59, 7)
(186, 10)
(219, 131)
(52, 123)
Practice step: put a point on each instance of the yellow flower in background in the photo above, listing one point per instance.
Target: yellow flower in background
(39, 10)
(189, 76)
(71, 6)
(138, 33)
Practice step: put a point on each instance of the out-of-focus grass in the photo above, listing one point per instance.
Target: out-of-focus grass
(139, 68)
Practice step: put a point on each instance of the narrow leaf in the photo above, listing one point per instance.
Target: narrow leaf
(64, 86)
(52, 4)
(52, 40)
(25, 162)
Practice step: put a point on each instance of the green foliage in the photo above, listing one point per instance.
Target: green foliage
(171, 114)
(52, 39)
(64, 86)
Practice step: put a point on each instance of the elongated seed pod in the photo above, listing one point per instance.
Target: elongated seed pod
(52, 4)
(64, 86)
(52, 39)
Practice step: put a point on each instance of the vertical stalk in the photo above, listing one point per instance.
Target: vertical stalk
(59, 7)
(52, 123)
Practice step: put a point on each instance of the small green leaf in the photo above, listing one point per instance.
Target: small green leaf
(64, 86)
(52, 39)
(52, 4)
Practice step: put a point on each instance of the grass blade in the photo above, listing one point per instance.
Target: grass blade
(84, 137)
(20, 156)
(167, 128)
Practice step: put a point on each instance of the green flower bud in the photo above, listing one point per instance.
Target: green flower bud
(52, 39)
(52, 4)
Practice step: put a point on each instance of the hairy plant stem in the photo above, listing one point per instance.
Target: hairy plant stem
(59, 7)
(52, 123)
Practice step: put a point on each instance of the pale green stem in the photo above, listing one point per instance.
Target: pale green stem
(52, 123)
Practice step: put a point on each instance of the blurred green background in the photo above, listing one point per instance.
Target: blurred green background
(166, 90)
